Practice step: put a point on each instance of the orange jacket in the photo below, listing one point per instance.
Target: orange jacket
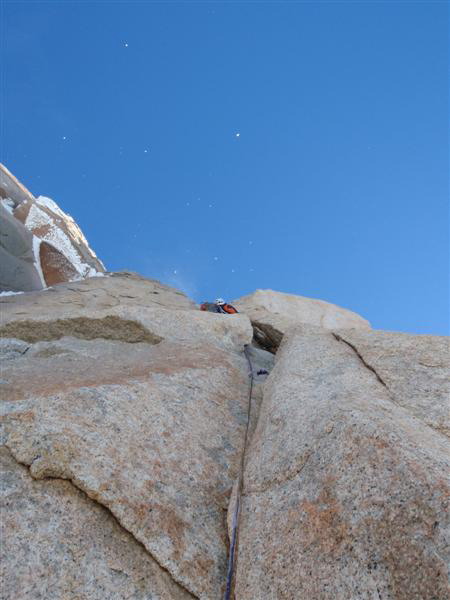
(220, 308)
(228, 309)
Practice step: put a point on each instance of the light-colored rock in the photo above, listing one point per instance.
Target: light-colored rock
(56, 229)
(58, 544)
(345, 493)
(58, 247)
(80, 307)
(274, 313)
(119, 385)
(122, 388)
(95, 293)
(11, 189)
(152, 432)
(414, 369)
(12, 348)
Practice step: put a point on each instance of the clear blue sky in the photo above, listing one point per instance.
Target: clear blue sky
(127, 114)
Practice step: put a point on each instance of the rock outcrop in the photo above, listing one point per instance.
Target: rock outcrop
(58, 543)
(124, 413)
(40, 245)
(274, 313)
(346, 485)
(19, 271)
(140, 403)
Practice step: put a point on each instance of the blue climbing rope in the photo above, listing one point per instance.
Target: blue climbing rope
(237, 508)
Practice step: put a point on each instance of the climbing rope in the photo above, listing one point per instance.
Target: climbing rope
(237, 508)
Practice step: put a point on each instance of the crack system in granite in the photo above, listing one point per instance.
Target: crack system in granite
(104, 507)
(359, 355)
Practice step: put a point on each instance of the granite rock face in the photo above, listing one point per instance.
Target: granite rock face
(110, 303)
(124, 409)
(346, 488)
(57, 543)
(274, 313)
(122, 387)
(55, 248)
(413, 368)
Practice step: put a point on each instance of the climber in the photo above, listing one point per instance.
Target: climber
(219, 306)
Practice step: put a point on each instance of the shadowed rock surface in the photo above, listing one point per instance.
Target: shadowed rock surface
(18, 270)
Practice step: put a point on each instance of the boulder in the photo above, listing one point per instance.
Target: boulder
(274, 313)
(346, 483)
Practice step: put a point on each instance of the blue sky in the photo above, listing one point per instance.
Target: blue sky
(128, 114)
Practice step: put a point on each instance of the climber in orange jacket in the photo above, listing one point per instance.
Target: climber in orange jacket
(219, 306)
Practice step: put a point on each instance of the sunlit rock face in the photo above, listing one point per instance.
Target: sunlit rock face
(121, 386)
(52, 251)
(275, 313)
(346, 484)
(124, 411)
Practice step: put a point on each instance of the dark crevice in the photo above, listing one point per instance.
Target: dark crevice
(104, 507)
(355, 350)
(266, 337)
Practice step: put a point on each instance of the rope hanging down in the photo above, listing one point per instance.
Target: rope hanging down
(237, 508)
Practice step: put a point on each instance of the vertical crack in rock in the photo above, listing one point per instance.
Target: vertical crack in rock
(113, 516)
(239, 491)
(355, 350)
(390, 395)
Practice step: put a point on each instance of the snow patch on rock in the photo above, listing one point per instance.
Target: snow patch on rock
(37, 260)
(8, 204)
(38, 218)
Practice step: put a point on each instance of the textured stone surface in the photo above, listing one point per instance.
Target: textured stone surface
(95, 293)
(51, 225)
(11, 188)
(274, 313)
(160, 311)
(57, 543)
(121, 386)
(346, 493)
(54, 241)
(127, 406)
(56, 268)
(152, 432)
(414, 369)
